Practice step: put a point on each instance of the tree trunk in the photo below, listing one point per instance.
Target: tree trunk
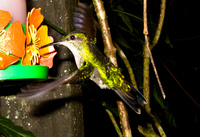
(58, 113)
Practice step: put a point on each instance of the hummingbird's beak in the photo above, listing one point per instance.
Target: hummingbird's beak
(50, 44)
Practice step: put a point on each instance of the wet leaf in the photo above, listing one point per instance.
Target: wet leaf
(8, 129)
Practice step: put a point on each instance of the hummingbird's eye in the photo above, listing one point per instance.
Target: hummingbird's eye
(72, 37)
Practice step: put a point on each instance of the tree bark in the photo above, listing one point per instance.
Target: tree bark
(57, 113)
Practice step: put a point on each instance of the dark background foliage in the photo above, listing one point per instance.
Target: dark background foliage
(176, 58)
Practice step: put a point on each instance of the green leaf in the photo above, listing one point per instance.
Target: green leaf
(158, 97)
(125, 19)
(8, 129)
(129, 14)
(122, 41)
(110, 107)
(167, 40)
(171, 120)
(166, 114)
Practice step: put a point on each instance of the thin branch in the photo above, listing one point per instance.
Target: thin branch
(146, 57)
(114, 123)
(155, 71)
(109, 49)
(110, 52)
(155, 39)
(146, 78)
(160, 23)
(126, 129)
(127, 64)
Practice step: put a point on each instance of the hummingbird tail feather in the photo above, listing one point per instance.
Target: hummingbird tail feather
(130, 99)
(139, 95)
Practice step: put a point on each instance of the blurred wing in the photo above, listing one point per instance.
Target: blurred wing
(84, 20)
(36, 90)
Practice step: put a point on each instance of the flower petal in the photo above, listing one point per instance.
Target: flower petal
(13, 40)
(47, 55)
(45, 51)
(26, 60)
(28, 36)
(48, 61)
(5, 18)
(42, 34)
(35, 17)
(7, 60)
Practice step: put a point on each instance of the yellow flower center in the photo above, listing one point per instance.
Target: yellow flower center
(33, 47)
(33, 33)
(1, 32)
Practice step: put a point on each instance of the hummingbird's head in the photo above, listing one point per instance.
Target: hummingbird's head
(78, 43)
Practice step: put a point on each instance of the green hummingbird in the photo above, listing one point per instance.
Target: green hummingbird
(91, 64)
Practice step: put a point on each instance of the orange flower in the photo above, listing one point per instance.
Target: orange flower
(12, 41)
(36, 38)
